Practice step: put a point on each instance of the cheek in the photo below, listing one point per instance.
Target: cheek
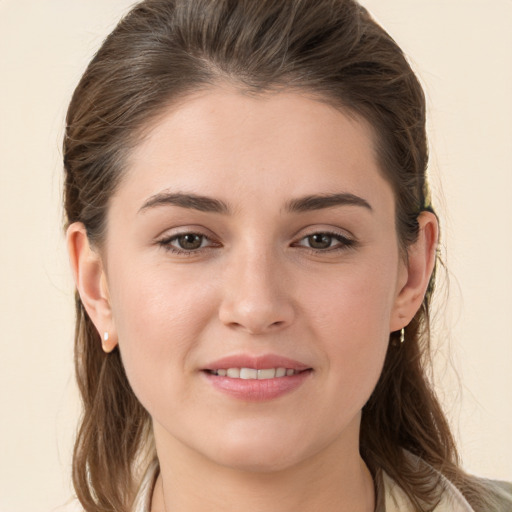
(350, 318)
(159, 317)
(355, 304)
(158, 306)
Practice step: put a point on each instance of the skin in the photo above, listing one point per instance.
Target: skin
(255, 286)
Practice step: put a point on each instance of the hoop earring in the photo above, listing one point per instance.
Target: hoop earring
(402, 335)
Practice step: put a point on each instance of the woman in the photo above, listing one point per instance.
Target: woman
(254, 248)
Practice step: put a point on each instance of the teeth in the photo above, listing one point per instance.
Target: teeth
(280, 372)
(266, 374)
(253, 374)
(248, 373)
(234, 373)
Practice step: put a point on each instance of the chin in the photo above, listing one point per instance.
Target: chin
(261, 452)
(259, 460)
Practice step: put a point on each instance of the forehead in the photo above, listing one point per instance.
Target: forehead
(222, 141)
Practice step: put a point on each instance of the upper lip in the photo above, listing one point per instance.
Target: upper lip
(256, 362)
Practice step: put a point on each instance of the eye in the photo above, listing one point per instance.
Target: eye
(320, 241)
(190, 241)
(326, 241)
(186, 242)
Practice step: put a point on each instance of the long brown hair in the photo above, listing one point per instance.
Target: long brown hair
(162, 51)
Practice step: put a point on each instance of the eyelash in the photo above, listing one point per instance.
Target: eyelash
(344, 243)
(166, 244)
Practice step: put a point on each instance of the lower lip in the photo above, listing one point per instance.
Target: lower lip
(253, 390)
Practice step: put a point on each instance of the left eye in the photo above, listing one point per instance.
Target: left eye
(185, 242)
(325, 241)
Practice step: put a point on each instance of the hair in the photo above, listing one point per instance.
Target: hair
(164, 50)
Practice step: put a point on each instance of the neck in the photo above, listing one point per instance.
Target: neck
(335, 480)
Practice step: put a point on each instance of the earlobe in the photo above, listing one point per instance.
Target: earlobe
(91, 283)
(421, 258)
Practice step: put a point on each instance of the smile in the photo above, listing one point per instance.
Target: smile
(256, 378)
(254, 374)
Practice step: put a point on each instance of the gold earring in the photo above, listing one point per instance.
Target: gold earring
(107, 348)
(402, 335)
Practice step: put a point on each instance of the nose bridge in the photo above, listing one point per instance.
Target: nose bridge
(255, 295)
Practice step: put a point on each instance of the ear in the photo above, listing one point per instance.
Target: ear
(91, 283)
(416, 272)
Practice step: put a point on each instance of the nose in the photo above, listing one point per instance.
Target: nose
(256, 294)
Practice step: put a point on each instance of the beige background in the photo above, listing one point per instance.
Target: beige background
(463, 52)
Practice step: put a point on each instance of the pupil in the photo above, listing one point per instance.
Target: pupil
(190, 241)
(320, 241)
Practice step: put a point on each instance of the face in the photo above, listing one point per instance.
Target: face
(254, 233)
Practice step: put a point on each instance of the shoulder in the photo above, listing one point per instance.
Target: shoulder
(396, 500)
(502, 492)
(504, 488)
(450, 498)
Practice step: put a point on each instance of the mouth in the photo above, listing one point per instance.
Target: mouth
(256, 379)
(255, 374)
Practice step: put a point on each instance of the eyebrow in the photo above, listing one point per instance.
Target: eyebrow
(320, 202)
(192, 201)
(211, 205)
